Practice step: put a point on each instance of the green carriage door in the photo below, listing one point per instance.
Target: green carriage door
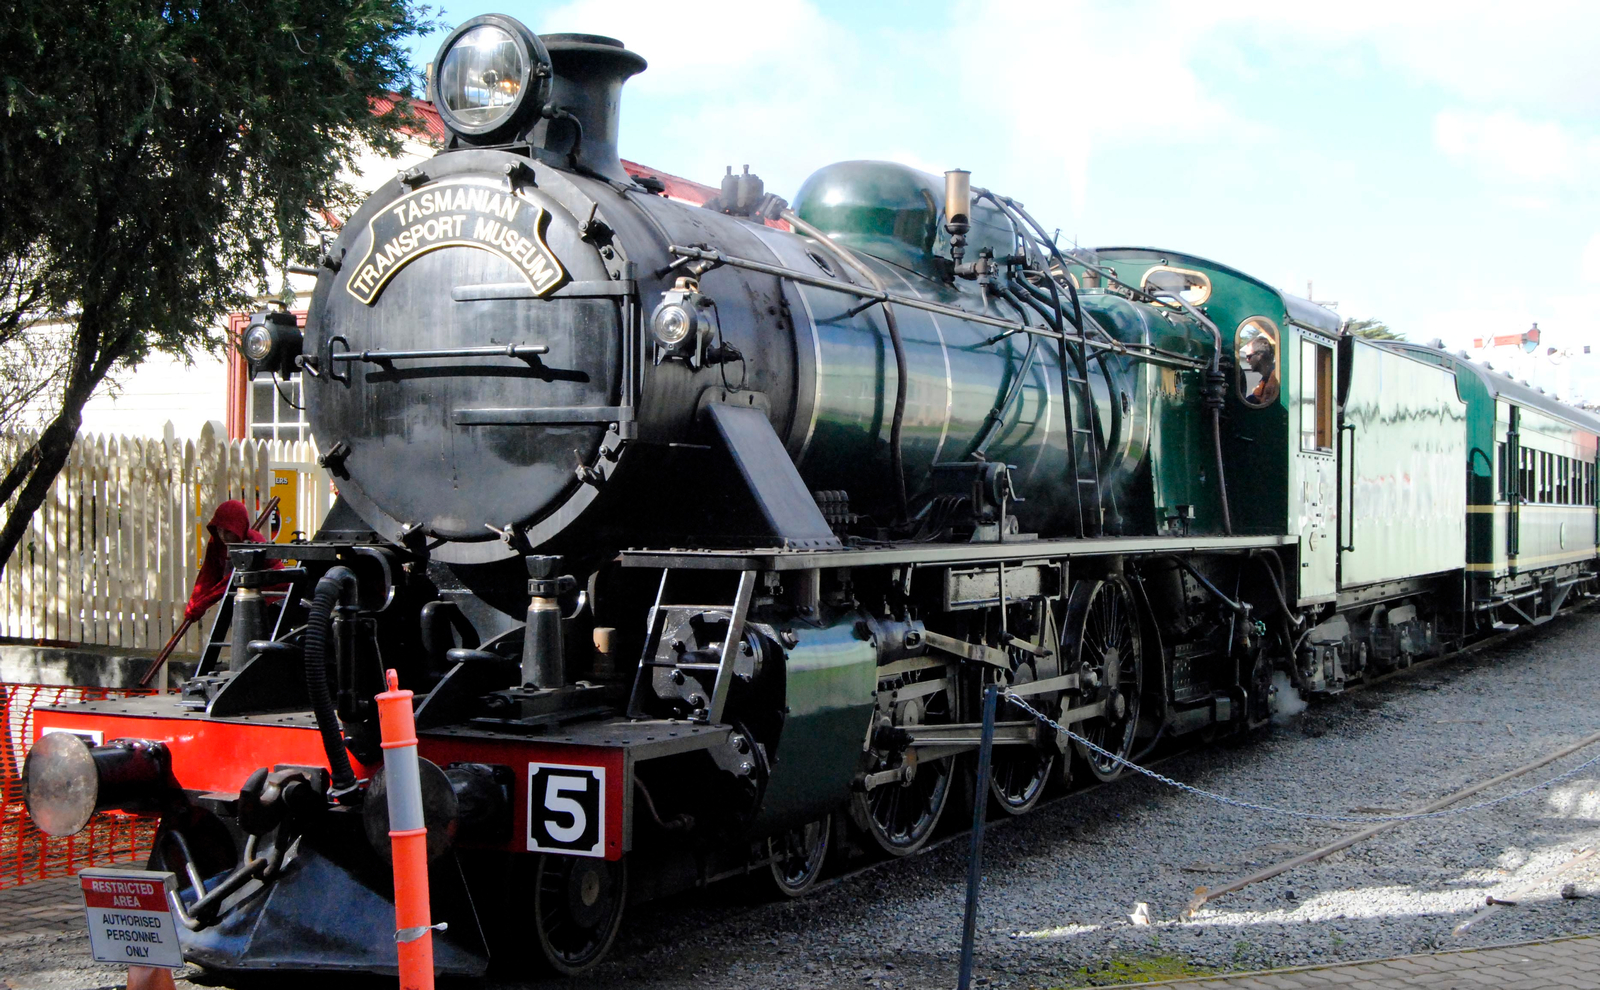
(1318, 503)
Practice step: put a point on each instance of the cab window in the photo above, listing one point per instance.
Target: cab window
(1256, 350)
(1316, 396)
(1192, 287)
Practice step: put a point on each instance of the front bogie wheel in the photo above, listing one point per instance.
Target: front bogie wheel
(799, 855)
(577, 909)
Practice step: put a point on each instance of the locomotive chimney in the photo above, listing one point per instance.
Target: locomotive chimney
(589, 73)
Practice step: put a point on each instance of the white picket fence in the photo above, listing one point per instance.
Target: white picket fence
(111, 556)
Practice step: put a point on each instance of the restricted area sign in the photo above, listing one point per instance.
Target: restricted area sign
(130, 917)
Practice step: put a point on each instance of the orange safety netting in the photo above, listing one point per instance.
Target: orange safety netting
(27, 854)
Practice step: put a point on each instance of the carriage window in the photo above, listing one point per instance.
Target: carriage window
(1193, 287)
(1500, 470)
(1256, 347)
(1316, 396)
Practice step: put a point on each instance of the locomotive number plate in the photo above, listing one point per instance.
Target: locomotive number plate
(566, 809)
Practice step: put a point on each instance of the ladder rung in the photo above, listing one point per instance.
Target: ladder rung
(1088, 481)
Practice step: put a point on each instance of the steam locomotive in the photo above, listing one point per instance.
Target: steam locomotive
(698, 531)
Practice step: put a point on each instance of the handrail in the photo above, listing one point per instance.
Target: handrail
(1144, 352)
(383, 357)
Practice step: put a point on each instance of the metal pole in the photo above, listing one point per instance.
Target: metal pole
(980, 809)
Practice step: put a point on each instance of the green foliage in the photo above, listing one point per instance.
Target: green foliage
(157, 160)
(1373, 330)
(1134, 968)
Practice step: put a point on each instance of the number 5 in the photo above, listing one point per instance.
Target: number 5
(553, 801)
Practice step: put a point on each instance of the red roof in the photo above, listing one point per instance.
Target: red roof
(432, 127)
(677, 187)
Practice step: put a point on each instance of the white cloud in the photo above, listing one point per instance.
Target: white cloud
(1534, 56)
(1037, 75)
(786, 88)
(1505, 145)
(1589, 264)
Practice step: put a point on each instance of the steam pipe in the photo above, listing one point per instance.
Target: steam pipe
(896, 450)
(1082, 367)
(335, 588)
(1205, 582)
(997, 415)
(1271, 563)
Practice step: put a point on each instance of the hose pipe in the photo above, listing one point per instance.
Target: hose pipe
(336, 587)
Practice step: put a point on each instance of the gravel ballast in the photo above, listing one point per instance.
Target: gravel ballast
(1060, 884)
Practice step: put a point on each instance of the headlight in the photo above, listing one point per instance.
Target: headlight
(491, 74)
(482, 76)
(683, 324)
(671, 324)
(272, 342)
(258, 344)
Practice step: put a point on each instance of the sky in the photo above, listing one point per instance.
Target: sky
(1435, 166)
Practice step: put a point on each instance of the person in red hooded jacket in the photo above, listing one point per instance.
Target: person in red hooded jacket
(229, 524)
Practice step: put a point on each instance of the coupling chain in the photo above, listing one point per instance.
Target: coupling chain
(1270, 809)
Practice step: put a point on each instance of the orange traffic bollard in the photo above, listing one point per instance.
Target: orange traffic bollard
(408, 836)
(149, 978)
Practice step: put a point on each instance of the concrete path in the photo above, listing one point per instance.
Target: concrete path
(55, 907)
(1560, 964)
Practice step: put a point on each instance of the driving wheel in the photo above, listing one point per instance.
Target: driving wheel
(1021, 773)
(1100, 635)
(905, 796)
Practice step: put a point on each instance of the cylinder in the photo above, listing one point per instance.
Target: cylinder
(957, 196)
(247, 625)
(543, 665)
